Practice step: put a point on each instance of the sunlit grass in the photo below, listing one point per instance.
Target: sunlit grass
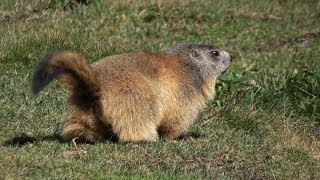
(264, 122)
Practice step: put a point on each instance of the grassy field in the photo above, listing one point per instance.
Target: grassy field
(263, 124)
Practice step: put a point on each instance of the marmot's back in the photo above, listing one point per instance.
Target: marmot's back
(156, 71)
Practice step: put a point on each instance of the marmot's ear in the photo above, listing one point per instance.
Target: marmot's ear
(194, 53)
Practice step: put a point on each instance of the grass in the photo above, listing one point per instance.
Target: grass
(263, 124)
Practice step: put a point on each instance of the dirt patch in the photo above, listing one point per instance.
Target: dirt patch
(227, 163)
(216, 160)
(302, 40)
(75, 151)
(261, 17)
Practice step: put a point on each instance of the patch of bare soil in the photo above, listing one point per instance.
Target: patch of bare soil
(302, 40)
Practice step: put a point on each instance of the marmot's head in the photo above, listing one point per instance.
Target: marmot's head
(210, 59)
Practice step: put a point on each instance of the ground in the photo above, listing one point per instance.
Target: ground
(263, 124)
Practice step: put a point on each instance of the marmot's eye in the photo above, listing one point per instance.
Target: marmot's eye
(215, 53)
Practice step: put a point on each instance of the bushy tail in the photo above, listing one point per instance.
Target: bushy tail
(69, 68)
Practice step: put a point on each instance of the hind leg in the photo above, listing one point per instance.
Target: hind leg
(134, 127)
(136, 132)
(84, 128)
(133, 110)
(173, 128)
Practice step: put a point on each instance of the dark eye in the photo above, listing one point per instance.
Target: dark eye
(215, 53)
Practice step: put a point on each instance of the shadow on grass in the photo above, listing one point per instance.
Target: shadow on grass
(190, 135)
(25, 139)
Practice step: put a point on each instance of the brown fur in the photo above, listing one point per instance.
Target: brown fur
(137, 97)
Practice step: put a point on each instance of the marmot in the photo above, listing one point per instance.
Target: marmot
(138, 96)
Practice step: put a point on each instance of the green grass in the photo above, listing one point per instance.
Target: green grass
(263, 124)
